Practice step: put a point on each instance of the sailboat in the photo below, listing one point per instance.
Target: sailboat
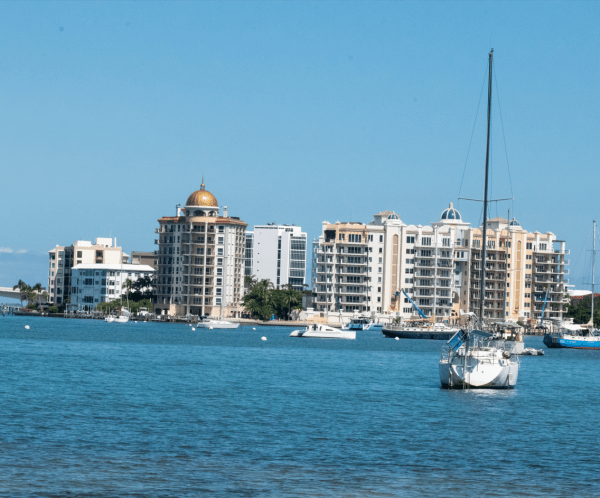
(473, 358)
(575, 336)
(121, 318)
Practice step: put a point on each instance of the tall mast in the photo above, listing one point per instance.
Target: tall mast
(485, 191)
(593, 262)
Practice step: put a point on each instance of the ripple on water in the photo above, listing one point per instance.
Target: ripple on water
(96, 409)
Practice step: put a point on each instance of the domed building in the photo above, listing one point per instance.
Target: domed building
(202, 203)
(200, 259)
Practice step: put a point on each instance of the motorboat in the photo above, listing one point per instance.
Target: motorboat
(216, 322)
(361, 323)
(321, 331)
(109, 318)
(507, 335)
(419, 329)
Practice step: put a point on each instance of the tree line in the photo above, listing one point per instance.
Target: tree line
(263, 301)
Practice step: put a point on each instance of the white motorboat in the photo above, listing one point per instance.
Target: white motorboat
(360, 323)
(216, 322)
(321, 331)
(109, 318)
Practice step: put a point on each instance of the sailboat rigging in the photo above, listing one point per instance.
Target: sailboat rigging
(473, 358)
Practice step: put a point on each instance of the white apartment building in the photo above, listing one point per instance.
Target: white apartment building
(277, 253)
(364, 268)
(200, 260)
(99, 283)
(63, 258)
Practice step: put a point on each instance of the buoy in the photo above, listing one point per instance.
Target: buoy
(263, 338)
(193, 328)
(397, 338)
(27, 327)
(253, 328)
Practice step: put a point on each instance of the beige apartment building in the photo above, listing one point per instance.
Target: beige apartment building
(365, 268)
(200, 260)
(63, 258)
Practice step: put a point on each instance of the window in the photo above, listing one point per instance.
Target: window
(219, 261)
(410, 240)
(379, 270)
(381, 238)
(380, 250)
(354, 237)
(425, 241)
(446, 242)
(220, 240)
(409, 270)
(220, 251)
(342, 237)
(221, 229)
(529, 245)
(371, 238)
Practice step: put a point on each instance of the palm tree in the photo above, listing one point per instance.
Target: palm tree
(250, 281)
(24, 291)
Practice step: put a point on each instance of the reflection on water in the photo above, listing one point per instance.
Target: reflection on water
(157, 409)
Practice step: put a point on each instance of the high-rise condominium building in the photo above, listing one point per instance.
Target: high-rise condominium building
(200, 260)
(63, 258)
(365, 267)
(277, 253)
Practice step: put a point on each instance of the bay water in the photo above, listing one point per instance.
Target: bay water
(89, 408)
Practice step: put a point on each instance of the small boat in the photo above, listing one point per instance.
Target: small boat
(361, 323)
(216, 322)
(321, 331)
(109, 318)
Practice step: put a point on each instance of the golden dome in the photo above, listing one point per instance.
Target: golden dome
(202, 198)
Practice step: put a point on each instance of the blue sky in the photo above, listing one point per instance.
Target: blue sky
(295, 112)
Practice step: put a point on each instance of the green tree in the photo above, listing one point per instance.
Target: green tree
(26, 292)
(258, 301)
(249, 282)
(580, 310)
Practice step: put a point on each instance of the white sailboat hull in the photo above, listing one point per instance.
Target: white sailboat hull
(121, 319)
(479, 371)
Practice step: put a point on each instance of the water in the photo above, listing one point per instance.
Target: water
(95, 409)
